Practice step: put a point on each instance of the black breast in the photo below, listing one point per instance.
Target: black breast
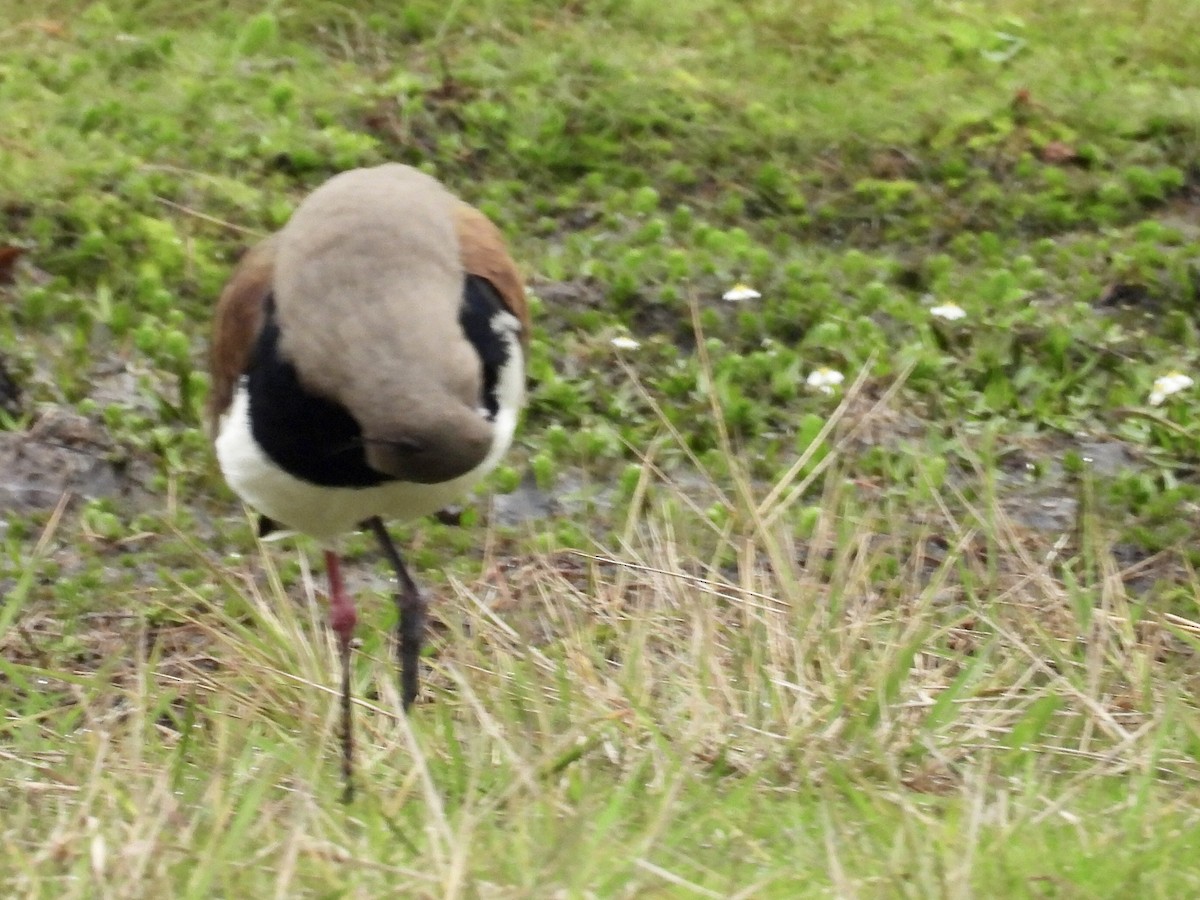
(308, 436)
(481, 303)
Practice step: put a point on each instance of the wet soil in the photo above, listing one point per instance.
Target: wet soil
(63, 453)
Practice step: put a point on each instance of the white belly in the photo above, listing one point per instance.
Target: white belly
(326, 512)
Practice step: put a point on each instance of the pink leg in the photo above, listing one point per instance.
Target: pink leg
(342, 615)
(342, 619)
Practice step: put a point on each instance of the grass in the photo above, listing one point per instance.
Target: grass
(709, 632)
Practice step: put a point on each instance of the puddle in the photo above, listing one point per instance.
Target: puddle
(527, 503)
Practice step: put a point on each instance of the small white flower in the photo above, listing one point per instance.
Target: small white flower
(740, 292)
(621, 342)
(825, 379)
(1171, 383)
(951, 312)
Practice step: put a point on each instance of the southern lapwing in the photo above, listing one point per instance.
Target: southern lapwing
(368, 363)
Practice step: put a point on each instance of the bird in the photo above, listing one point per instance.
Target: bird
(367, 362)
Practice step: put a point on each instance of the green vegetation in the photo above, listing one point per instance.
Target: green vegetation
(933, 633)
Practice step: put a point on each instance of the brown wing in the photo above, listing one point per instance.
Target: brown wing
(484, 254)
(236, 325)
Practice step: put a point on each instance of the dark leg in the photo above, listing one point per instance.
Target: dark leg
(410, 630)
(342, 619)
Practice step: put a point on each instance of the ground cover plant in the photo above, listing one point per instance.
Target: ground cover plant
(713, 630)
